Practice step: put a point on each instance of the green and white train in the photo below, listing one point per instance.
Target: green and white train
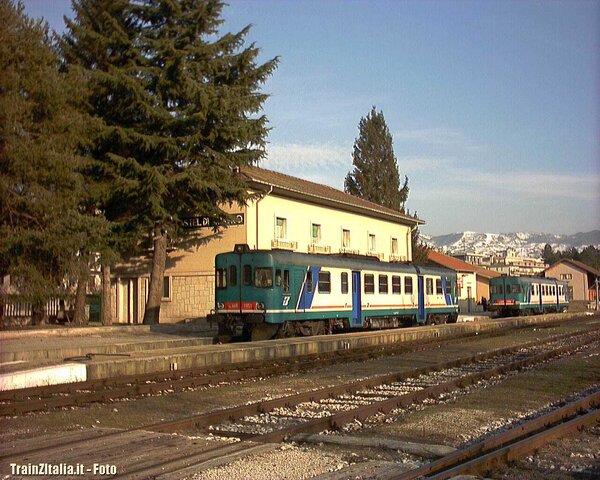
(527, 295)
(274, 293)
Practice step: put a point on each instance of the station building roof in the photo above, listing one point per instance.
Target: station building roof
(458, 265)
(297, 188)
(578, 264)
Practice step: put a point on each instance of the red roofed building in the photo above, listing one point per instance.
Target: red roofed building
(581, 278)
(473, 281)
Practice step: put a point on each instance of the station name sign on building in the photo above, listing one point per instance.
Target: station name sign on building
(209, 222)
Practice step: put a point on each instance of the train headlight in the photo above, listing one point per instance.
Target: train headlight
(220, 306)
(260, 306)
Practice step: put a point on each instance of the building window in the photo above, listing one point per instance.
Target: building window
(344, 282)
(408, 285)
(281, 228)
(372, 242)
(396, 284)
(345, 238)
(394, 246)
(566, 276)
(316, 234)
(383, 284)
(166, 291)
(324, 282)
(369, 283)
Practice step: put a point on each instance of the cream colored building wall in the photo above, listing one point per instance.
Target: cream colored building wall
(579, 280)
(467, 281)
(300, 216)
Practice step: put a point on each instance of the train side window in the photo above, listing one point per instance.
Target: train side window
(369, 283)
(324, 284)
(500, 289)
(263, 277)
(438, 287)
(286, 281)
(309, 281)
(247, 275)
(232, 275)
(344, 282)
(396, 284)
(408, 285)
(516, 289)
(278, 278)
(448, 286)
(221, 278)
(429, 286)
(383, 284)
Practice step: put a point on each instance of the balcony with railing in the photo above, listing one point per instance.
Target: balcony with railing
(284, 244)
(315, 248)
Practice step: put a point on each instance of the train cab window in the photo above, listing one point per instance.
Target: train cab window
(408, 285)
(309, 281)
(429, 286)
(232, 275)
(263, 277)
(369, 283)
(438, 287)
(221, 278)
(396, 284)
(286, 281)
(278, 279)
(516, 289)
(492, 289)
(324, 282)
(383, 284)
(247, 275)
(500, 289)
(344, 282)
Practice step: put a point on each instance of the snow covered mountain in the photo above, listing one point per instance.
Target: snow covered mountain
(525, 244)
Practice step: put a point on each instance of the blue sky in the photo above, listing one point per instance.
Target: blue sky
(494, 106)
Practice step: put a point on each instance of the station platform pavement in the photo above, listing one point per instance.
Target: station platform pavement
(50, 355)
(107, 352)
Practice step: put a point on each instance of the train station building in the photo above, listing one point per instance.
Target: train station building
(288, 214)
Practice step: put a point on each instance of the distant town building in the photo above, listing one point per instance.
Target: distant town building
(473, 281)
(474, 258)
(581, 278)
(509, 263)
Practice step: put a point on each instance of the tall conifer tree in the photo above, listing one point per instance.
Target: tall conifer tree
(181, 110)
(375, 176)
(44, 234)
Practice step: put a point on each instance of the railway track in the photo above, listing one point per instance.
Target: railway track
(21, 401)
(330, 408)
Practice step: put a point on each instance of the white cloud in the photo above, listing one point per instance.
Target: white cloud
(298, 157)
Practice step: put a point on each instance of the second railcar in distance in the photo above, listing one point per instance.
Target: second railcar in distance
(527, 295)
(263, 294)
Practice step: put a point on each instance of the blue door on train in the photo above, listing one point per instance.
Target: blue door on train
(356, 299)
(421, 297)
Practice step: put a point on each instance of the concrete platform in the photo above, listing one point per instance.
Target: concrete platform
(215, 355)
(144, 351)
(37, 377)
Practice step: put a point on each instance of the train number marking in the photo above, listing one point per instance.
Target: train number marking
(286, 301)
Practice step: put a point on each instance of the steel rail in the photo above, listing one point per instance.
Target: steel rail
(105, 390)
(233, 413)
(449, 464)
(335, 421)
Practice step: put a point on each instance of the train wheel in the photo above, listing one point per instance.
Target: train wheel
(263, 331)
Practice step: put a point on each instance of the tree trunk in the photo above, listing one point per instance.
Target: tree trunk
(38, 313)
(80, 295)
(155, 289)
(106, 314)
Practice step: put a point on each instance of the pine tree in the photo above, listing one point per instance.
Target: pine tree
(181, 111)
(43, 232)
(419, 249)
(375, 176)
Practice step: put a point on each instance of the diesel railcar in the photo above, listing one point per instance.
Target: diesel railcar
(527, 295)
(274, 293)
